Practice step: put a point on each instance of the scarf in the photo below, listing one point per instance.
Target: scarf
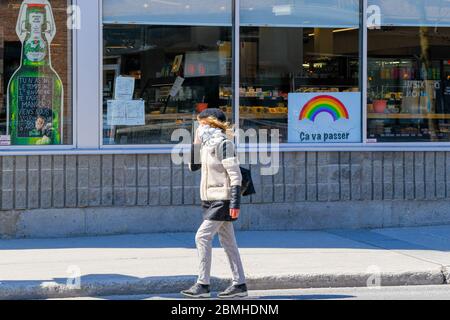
(210, 136)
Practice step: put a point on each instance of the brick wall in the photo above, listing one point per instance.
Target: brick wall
(152, 180)
(60, 50)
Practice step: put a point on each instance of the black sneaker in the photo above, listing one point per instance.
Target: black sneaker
(235, 291)
(197, 291)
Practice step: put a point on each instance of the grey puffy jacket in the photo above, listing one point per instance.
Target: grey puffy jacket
(221, 175)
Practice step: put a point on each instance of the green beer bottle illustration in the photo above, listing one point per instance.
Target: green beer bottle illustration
(35, 91)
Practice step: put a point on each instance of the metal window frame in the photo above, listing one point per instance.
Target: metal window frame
(236, 39)
(89, 85)
(295, 147)
(152, 148)
(87, 100)
(327, 147)
(363, 65)
(364, 145)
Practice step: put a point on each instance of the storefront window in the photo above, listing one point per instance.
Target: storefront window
(300, 69)
(164, 62)
(35, 73)
(409, 72)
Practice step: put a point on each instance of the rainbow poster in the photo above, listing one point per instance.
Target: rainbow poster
(325, 118)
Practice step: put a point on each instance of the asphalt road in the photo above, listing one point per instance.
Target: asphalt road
(385, 293)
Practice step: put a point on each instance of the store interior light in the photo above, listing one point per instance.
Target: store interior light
(344, 30)
(336, 31)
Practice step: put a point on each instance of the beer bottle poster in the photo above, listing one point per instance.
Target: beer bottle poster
(34, 101)
(35, 91)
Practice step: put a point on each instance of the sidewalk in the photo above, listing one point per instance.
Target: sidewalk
(167, 263)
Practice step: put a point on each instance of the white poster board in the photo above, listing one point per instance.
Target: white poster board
(317, 118)
(126, 113)
(124, 88)
(5, 140)
(177, 86)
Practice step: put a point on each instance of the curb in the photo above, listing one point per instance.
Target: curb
(168, 285)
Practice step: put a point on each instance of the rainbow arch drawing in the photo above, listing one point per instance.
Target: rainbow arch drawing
(324, 104)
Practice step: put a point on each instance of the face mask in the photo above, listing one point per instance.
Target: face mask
(206, 132)
(202, 130)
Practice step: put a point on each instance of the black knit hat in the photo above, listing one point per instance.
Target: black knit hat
(213, 112)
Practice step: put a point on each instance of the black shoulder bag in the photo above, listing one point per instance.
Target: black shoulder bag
(247, 188)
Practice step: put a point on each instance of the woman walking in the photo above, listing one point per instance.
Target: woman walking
(220, 191)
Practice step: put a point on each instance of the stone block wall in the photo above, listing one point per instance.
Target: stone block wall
(44, 182)
(58, 196)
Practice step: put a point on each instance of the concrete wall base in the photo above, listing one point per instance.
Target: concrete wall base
(54, 223)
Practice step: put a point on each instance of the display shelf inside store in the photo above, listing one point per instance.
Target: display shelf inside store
(189, 116)
(258, 98)
(394, 116)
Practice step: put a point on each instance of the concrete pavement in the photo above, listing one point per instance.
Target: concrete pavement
(167, 263)
(384, 293)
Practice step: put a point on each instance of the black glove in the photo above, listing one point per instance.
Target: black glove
(195, 155)
(235, 202)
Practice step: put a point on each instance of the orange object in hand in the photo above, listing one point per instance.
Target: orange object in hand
(234, 213)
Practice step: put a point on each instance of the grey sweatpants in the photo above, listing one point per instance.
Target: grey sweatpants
(204, 240)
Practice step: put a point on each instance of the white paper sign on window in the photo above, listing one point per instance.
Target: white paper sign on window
(316, 118)
(124, 88)
(126, 113)
(176, 86)
(5, 140)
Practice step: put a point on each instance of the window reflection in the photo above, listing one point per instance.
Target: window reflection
(178, 72)
(409, 84)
